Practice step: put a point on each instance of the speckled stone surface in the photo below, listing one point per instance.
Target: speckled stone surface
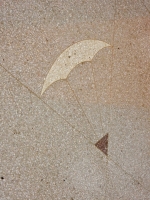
(47, 143)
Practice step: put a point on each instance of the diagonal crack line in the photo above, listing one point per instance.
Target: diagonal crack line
(130, 175)
(108, 158)
(44, 102)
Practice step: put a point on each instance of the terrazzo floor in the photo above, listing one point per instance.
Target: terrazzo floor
(87, 137)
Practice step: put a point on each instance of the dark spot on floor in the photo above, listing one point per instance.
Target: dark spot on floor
(16, 132)
(136, 182)
(2, 178)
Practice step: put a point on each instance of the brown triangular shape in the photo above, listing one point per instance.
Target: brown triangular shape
(102, 144)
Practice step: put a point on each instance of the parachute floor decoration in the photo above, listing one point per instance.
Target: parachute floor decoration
(75, 100)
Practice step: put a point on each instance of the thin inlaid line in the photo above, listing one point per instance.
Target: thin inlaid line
(148, 10)
(108, 158)
(111, 77)
(80, 106)
(96, 91)
(31, 92)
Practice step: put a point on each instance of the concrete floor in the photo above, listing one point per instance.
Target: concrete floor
(47, 142)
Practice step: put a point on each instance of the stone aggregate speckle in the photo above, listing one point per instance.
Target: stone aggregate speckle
(47, 143)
